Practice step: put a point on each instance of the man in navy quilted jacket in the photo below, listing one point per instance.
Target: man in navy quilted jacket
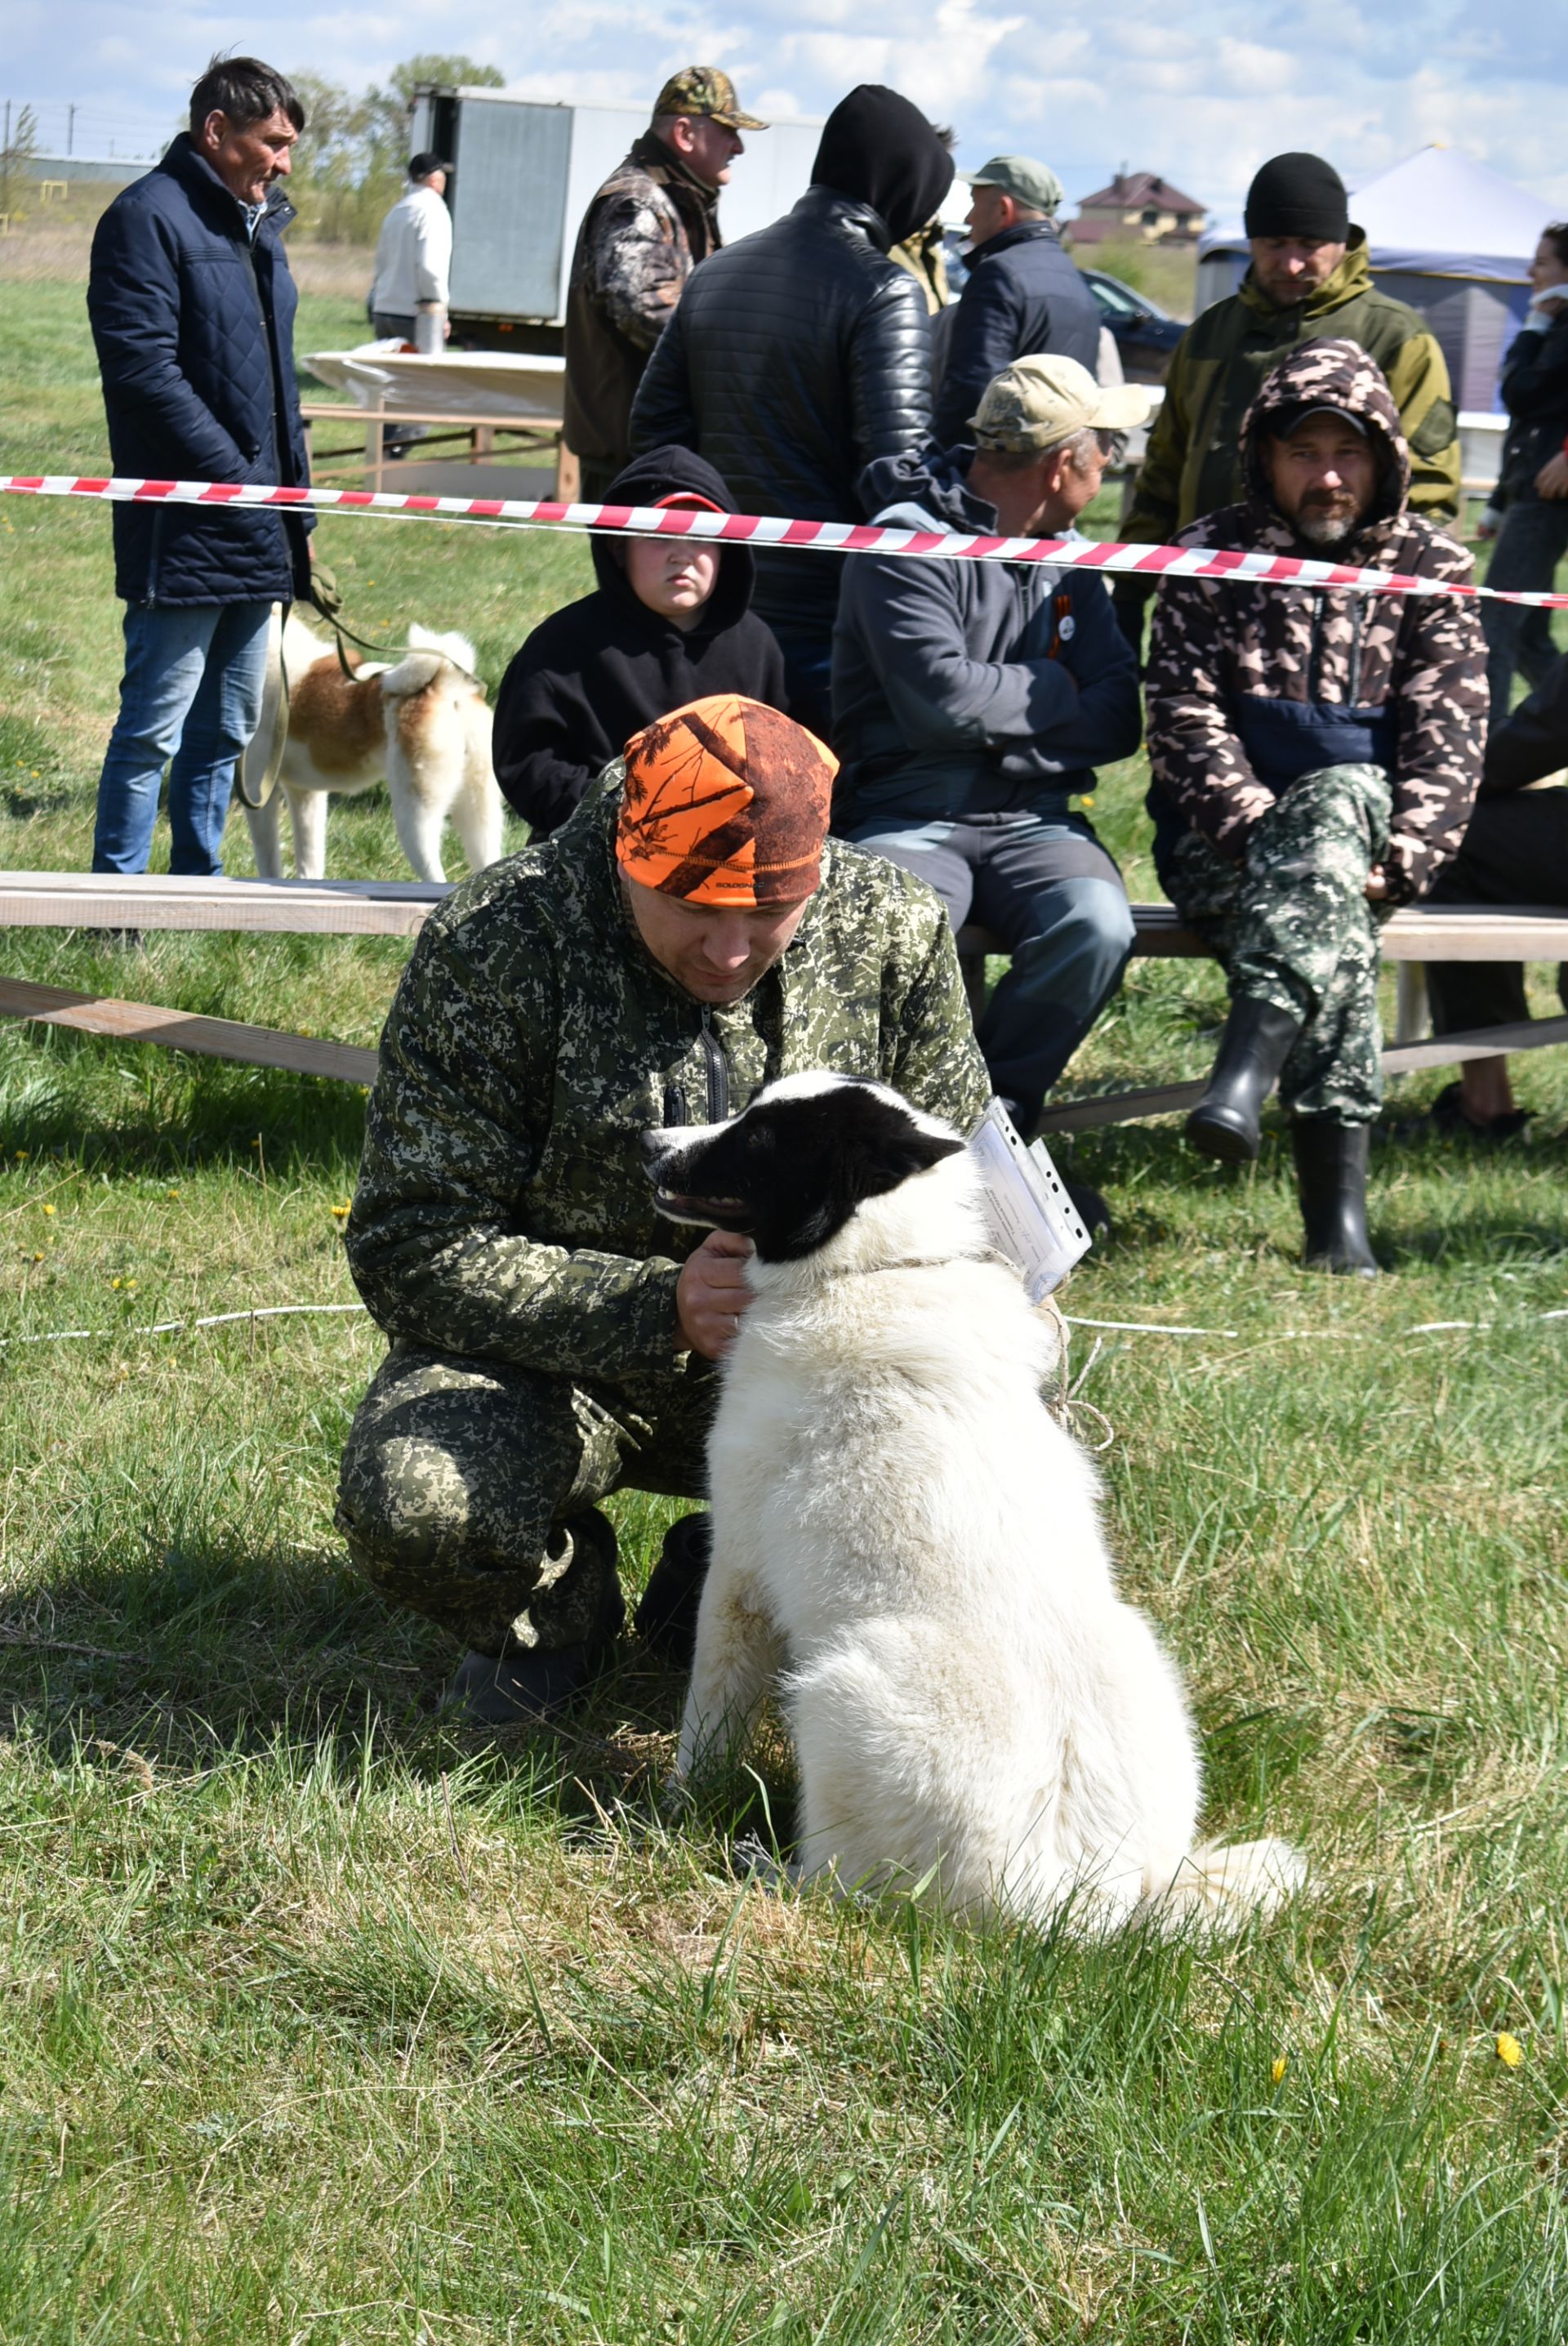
(192, 310)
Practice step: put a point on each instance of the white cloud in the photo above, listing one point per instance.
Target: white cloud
(1201, 95)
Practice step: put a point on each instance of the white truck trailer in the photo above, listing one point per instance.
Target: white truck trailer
(526, 171)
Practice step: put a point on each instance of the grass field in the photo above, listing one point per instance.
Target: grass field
(319, 2020)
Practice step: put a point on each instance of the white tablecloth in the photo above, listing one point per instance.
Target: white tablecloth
(458, 382)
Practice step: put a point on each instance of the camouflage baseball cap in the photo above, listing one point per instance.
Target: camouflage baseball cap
(703, 89)
(1037, 402)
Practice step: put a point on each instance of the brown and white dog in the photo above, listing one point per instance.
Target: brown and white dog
(422, 723)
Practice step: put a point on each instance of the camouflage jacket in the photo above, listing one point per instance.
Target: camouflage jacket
(503, 1210)
(1410, 668)
(641, 238)
(1219, 367)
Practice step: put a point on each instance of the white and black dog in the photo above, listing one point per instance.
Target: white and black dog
(906, 1540)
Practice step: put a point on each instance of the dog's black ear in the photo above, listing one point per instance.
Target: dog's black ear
(895, 1152)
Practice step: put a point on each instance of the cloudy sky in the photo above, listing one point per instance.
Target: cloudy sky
(1200, 92)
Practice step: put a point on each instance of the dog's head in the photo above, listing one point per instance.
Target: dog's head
(806, 1156)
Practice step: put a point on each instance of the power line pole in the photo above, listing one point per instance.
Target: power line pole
(70, 127)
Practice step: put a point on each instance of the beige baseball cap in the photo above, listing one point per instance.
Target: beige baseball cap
(1037, 402)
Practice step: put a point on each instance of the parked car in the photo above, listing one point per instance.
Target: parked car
(1144, 334)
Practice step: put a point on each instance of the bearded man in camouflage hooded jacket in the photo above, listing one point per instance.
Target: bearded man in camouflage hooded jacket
(1314, 756)
(689, 934)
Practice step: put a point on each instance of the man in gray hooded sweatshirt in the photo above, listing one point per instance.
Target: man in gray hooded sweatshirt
(972, 700)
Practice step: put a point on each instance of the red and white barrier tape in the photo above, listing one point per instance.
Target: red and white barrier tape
(754, 529)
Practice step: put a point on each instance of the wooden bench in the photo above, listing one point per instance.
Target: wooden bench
(536, 435)
(84, 899)
(1411, 938)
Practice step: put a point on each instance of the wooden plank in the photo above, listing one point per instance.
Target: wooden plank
(86, 899)
(181, 1030)
(1416, 932)
(1399, 1059)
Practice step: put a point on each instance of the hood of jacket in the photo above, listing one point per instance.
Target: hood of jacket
(660, 473)
(879, 149)
(1353, 276)
(922, 489)
(1338, 376)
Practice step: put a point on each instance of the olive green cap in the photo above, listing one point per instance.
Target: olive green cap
(703, 89)
(1034, 185)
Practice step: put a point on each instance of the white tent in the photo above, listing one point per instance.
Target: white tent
(1445, 234)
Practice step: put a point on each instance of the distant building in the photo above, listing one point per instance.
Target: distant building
(1137, 207)
(114, 170)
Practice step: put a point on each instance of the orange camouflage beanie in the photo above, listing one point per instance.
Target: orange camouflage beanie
(725, 803)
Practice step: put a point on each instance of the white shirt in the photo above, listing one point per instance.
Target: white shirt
(413, 254)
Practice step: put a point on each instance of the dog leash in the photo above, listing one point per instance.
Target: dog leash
(261, 760)
(325, 596)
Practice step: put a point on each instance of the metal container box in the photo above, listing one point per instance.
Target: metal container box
(526, 171)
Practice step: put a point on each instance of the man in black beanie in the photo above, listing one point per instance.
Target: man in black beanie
(1311, 279)
(800, 354)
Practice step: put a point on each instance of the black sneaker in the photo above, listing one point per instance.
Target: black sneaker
(1447, 1115)
(666, 1619)
(1090, 1208)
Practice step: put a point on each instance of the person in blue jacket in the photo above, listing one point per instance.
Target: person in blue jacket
(192, 310)
(972, 700)
(1023, 296)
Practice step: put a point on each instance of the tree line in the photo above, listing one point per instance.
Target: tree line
(350, 163)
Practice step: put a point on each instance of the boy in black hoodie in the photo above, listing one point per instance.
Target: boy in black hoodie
(668, 623)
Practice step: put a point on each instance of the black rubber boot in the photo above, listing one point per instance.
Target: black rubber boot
(525, 1684)
(1253, 1049)
(665, 1621)
(1331, 1180)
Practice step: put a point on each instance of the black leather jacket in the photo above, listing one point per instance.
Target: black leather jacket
(1535, 393)
(795, 357)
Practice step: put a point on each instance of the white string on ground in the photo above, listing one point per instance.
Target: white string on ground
(1147, 1328)
(176, 1327)
(1113, 1326)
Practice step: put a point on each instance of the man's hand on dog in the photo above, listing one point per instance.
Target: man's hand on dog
(711, 1293)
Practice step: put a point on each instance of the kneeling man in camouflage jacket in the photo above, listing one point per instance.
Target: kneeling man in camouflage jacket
(1315, 755)
(688, 935)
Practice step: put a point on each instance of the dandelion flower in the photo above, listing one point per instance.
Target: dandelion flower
(48, 1210)
(342, 1211)
(21, 1157)
(1281, 2063)
(172, 1193)
(1510, 2051)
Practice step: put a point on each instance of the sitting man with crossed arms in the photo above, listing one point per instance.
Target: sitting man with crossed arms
(689, 934)
(973, 701)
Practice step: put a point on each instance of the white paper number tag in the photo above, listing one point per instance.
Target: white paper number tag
(1031, 1218)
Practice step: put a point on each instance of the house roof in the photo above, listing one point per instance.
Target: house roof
(1138, 190)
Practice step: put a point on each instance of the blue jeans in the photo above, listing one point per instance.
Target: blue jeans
(1530, 545)
(191, 693)
(1045, 887)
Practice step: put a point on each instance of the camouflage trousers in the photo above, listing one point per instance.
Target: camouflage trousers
(1292, 926)
(460, 1478)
